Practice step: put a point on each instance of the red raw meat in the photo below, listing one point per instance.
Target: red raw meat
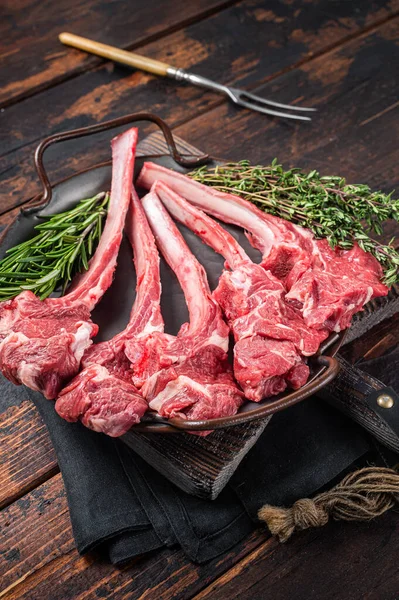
(328, 286)
(253, 300)
(274, 237)
(270, 335)
(103, 396)
(332, 292)
(42, 342)
(187, 375)
(104, 401)
(264, 366)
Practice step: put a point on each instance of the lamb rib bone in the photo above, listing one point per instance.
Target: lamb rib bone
(246, 271)
(328, 286)
(270, 336)
(194, 380)
(90, 286)
(103, 395)
(42, 342)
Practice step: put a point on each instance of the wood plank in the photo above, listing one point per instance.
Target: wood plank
(379, 340)
(39, 559)
(27, 455)
(33, 58)
(353, 134)
(36, 529)
(352, 561)
(109, 91)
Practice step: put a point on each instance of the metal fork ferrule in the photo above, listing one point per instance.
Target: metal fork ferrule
(174, 73)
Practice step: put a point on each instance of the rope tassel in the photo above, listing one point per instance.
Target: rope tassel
(360, 496)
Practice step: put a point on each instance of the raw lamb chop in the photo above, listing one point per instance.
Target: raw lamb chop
(187, 375)
(103, 396)
(42, 342)
(328, 286)
(337, 286)
(270, 335)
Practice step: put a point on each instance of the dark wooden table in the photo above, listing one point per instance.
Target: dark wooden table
(340, 56)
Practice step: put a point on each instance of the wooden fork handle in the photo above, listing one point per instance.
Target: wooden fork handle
(116, 54)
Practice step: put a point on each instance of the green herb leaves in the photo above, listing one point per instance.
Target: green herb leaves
(63, 246)
(328, 206)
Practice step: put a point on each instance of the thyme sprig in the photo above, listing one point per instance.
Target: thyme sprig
(330, 207)
(63, 246)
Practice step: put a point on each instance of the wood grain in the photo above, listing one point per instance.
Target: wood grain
(36, 530)
(39, 559)
(27, 455)
(354, 133)
(208, 47)
(379, 340)
(336, 561)
(40, 562)
(33, 58)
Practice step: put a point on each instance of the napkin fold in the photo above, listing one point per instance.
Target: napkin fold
(103, 505)
(122, 507)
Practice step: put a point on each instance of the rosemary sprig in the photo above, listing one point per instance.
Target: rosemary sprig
(328, 206)
(62, 247)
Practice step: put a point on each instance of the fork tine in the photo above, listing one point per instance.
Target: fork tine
(268, 111)
(253, 98)
(240, 97)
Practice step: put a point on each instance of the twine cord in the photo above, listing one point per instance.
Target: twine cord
(360, 496)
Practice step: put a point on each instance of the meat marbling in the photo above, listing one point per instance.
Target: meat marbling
(187, 375)
(42, 342)
(271, 337)
(327, 285)
(103, 395)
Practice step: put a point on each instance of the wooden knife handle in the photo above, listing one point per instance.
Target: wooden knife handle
(365, 399)
(116, 54)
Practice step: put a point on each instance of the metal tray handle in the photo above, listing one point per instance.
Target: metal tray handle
(92, 129)
(331, 369)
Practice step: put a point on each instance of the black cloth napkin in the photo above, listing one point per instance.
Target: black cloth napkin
(123, 507)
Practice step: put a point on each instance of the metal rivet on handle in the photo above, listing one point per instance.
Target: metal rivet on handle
(385, 401)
